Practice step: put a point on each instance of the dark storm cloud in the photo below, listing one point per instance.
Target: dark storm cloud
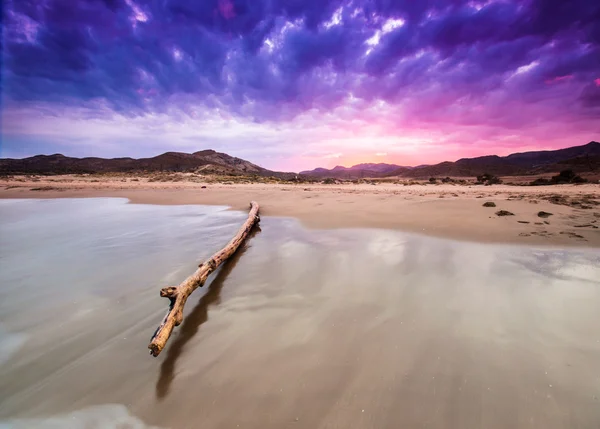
(269, 60)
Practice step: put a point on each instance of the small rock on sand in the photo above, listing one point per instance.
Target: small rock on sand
(522, 221)
(504, 213)
(544, 214)
(489, 204)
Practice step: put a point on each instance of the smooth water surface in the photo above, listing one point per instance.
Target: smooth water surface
(301, 329)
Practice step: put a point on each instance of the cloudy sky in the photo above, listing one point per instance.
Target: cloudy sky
(296, 84)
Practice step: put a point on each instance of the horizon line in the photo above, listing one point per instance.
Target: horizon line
(298, 172)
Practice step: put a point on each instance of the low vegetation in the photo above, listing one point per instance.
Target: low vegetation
(564, 177)
(434, 180)
(45, 188)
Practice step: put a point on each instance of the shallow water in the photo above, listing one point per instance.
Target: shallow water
(302, 328)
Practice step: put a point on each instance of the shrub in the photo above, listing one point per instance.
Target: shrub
(565, 176)
(488, 179)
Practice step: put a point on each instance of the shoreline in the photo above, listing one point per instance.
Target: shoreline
(443, 210)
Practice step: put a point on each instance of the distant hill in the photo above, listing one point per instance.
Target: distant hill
(584, 158)
(206, 161)
(356, 171)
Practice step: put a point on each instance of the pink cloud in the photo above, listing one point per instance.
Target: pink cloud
(559, 79)
(597, 82)
(426, 129)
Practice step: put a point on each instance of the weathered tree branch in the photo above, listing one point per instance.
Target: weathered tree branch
(178, 295)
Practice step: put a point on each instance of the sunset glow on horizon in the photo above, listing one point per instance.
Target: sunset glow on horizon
(295, 85)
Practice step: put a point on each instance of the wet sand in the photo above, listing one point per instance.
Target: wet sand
(443, 210)
(303, 328)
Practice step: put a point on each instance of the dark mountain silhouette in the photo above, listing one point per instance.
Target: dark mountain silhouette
(515, 164)
(584, 158)
(207, 161)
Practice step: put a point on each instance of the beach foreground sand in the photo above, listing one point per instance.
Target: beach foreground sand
(444, 210)
(300, 329)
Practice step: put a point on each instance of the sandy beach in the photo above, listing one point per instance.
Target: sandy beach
(443, 210)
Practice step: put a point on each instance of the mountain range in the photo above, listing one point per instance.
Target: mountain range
(205, 161)
(585, 158)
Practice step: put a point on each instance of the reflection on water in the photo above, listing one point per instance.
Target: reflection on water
(301, 328)
(94, 417)
(9, 344)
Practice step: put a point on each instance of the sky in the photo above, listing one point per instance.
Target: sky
(298, 84)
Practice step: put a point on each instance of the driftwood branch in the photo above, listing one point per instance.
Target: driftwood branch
(178, 295)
